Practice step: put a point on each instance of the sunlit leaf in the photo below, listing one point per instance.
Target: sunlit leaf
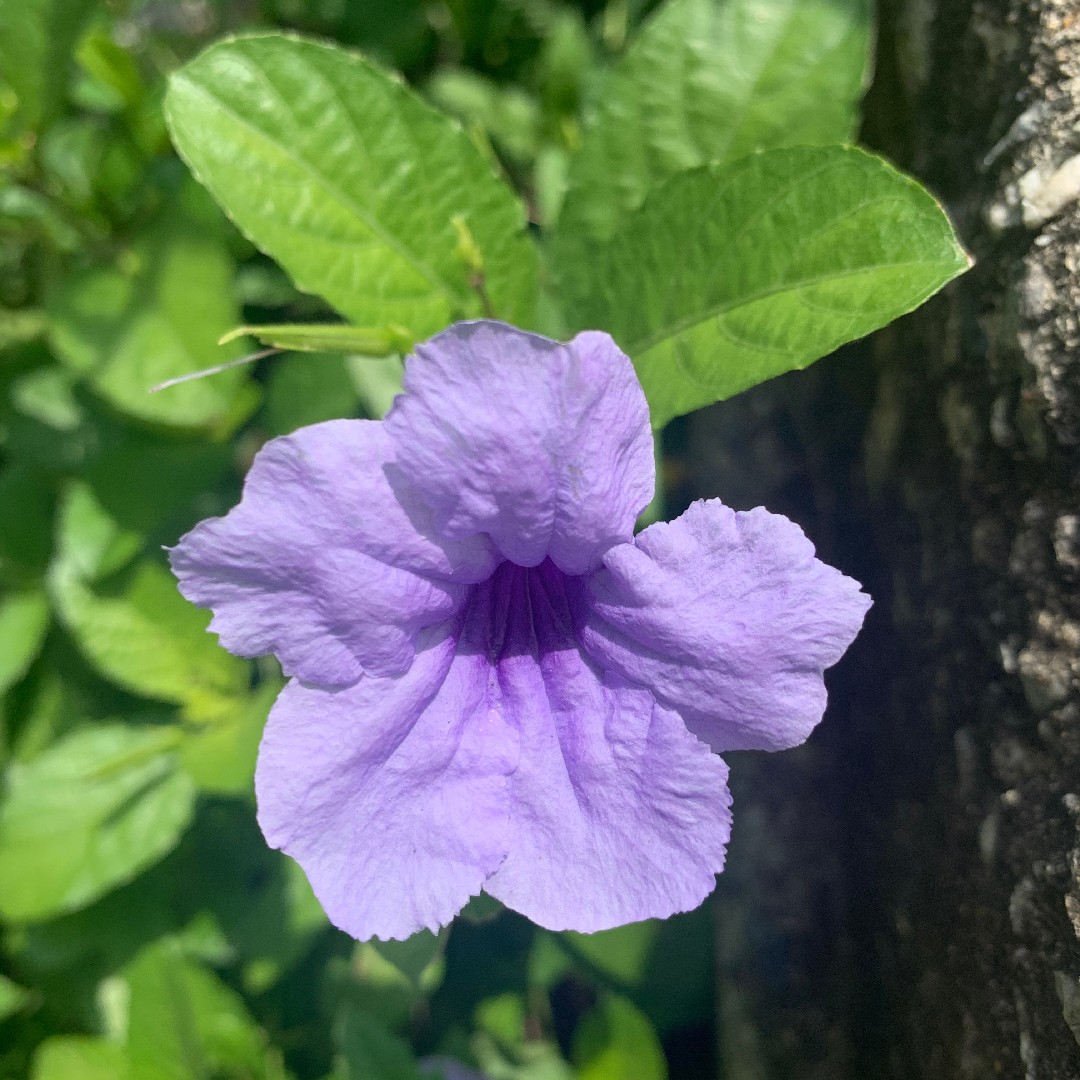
(730, 275)
(352, 183)
(128, 619)
(80, 1057)
(709, 81)
(24, 618)
(219, 752)
(153, 316)
(141, 633)
(88, 814)
(12, 997)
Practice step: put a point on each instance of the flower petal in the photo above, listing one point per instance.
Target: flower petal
(544, 447)
(729, 619)
(391, 794)
(617, 812)
(329, 561)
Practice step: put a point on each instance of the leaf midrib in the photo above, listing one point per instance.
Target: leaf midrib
(643, 345)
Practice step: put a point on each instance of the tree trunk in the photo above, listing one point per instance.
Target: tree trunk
(902, 897)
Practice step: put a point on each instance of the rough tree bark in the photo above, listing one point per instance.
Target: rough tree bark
(903, 893)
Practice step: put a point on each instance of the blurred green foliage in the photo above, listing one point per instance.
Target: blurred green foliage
(146, 931)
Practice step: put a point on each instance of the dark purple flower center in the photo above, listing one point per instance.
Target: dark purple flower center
(522, 611)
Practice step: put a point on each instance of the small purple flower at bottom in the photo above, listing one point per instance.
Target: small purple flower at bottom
(495, 684)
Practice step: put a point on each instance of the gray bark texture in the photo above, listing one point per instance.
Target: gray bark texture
(902, 898)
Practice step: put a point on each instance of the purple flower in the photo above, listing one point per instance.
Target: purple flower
(496, 685)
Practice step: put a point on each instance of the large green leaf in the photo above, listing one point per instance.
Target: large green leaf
(88, 814)
(36, 39)
(710, 81)
(730, 275)
(155, 315)
(359, 189)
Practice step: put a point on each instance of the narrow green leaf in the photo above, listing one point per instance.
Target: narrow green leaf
(24, 618)
(616, 1042)
(351, 182)
(156, 315)
(330, 337)
(730, 275)
(88, 814)
(710, 81)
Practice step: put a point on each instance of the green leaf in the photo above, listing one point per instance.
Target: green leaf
(219, 753)
(28, 502)
(378, 380)
(260, 899)
(47, 425)
(12, 997)
(79, 1057)
(184, 1023)
(730, 275)
(621, 954)
(616, 1042)
(133, 626)
(329, 337)
(156, 315)
(24, 618)
(351, 182)
(145, 636)
(19, 327)
(307, 389)
(99, 56)
(415, 956)
(370, 1052)
(36, 39)
(88, 814)
(147, 483)
(710, 81)
(90, 543)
